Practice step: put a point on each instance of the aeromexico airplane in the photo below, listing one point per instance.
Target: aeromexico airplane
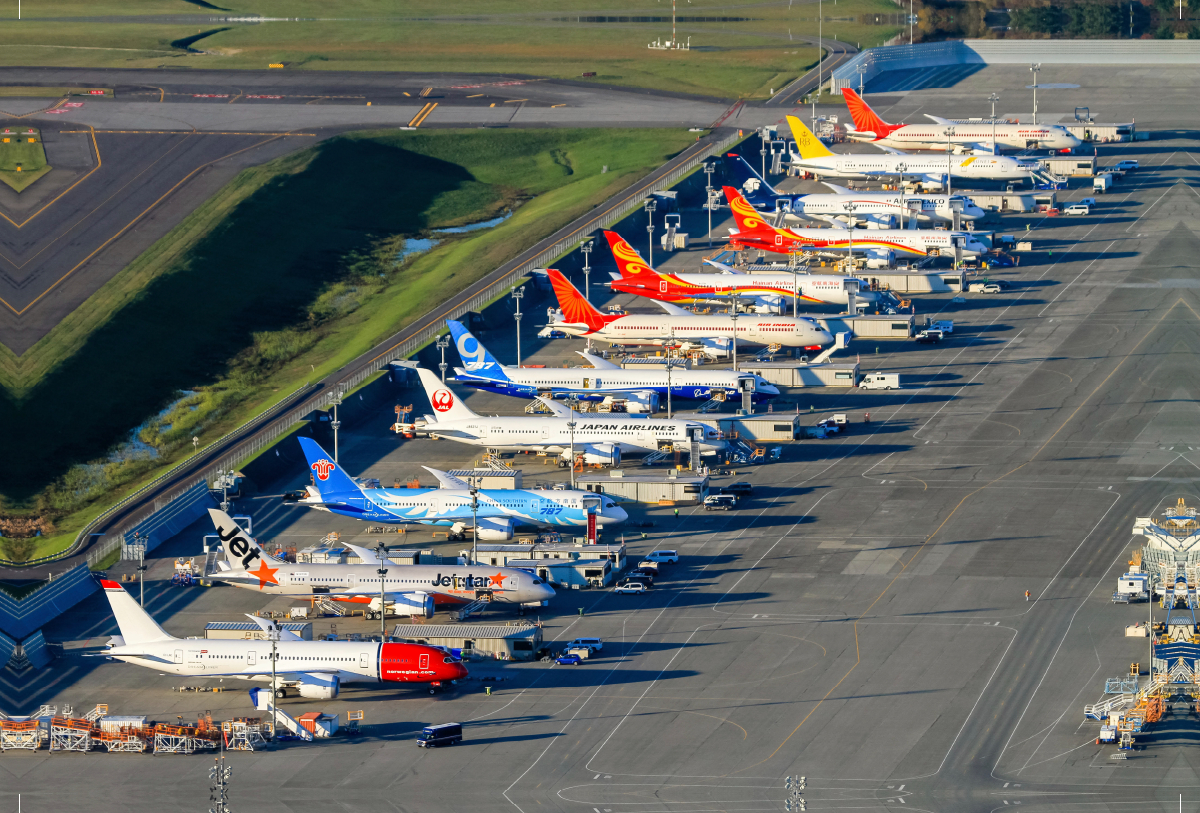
(602, 380)
(499, 511)
(417, 588)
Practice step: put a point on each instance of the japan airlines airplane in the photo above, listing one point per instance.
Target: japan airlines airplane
(875, 209)
(768, 293)
(602, 380)
(975, 135)
(712, 332)
(598, 439)
(314, 669)
(754, 232)
(816, 158)
(408, 589)
(498, 511)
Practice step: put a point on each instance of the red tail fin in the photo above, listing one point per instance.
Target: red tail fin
(629, 262)
(575, 308)
(864, 117)
(746, 216)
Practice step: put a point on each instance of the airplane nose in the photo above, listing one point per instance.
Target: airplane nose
(615, 514)
(460, 671)
(547, 593)
(824, 337)
(767, 389)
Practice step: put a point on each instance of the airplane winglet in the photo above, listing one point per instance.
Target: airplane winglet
(597, 362)
(448, 480)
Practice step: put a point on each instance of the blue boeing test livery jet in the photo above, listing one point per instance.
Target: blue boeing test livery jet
(499, 511)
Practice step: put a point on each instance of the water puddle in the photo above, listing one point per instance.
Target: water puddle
(485, 224)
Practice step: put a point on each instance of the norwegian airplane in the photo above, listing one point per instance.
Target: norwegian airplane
(754, 232)
(601, 439)
(767, 293)
(979, 136)
(809, 154)
(314, 669)
(600, 381)
(874, 209)
(498, 512)
(713, 333)
(411, 589)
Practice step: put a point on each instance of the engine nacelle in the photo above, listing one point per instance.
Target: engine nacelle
(771, 305)
(319, 687)
(603, 454)
(415, 603)
(495, 530)
(641, 402)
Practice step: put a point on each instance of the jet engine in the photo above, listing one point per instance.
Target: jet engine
(769, 305)
(496, 530)
(642, 402)
(319, 686)
(604, 454)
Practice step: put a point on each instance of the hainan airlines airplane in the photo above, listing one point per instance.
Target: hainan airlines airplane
(601, 439)
(414, 589)
(314, 669)
(498, 511)
(712, 332)
(602, 380)
(816, 158)
(754, 232)
(975, 135)
(768, 293)
(873, 209)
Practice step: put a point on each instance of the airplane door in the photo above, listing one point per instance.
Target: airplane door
(662, 286)
(423, 661)
(510, 584)
(352, 580)
(545, 431)
(251, 658)
(586, 382)
(535, 505)
(364, 660)
(178, 656)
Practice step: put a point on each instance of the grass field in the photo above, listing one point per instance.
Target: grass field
(285, 275)
(22, 159)
(738, 51)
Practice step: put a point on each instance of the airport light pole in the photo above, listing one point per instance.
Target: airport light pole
(762, 150)
(381, 553)
(139, 547)
(949, 133)
(1036, 69)
(518, 294)
(902, 167)
(795, 282)
(860, 79)
(336, 423)
(573, 401)
(709, 168)
(995, 97)
(670, 349)
(273, 636)
(442, 343)
(734, 315)
(474, 523)
(650, 205)
(586, 248)
(850, 207)
(219, 774)
(795, 786)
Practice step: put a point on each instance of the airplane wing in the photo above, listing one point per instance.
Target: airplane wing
(937, 119)
(145, 655)
(368, 556)
(672, 309)
(556, 408)
(597, 362)
(267, 626)
(448, 480)
(723, 268)
(838, 190)
(891, 150)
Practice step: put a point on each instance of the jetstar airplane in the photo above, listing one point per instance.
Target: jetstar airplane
(314, 669)
(815, 157)
(872, 209)
(409, 589)
(971, 136)
(712, 332)
(754, 232)
(499, 510)
(600, 439)
(600, 381)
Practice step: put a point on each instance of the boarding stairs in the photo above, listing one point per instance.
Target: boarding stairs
(743, 453)
(1111, 703)
(332, 607)
(474, 608)
(210, 563)
(655, 457)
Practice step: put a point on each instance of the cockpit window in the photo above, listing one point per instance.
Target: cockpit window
(537, 581)
(447, 660)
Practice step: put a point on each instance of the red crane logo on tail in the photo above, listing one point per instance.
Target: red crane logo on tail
(442, 400)
(322, 467)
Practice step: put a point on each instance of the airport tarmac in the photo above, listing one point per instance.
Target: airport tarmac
(862, 621)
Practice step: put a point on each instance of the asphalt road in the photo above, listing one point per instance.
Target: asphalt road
(861, 621)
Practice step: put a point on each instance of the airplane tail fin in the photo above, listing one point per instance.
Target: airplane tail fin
(808, 144)
(748, 219)
(576, 309)
(752, 184)
(240, 548)
(136, 625)
(864, 117)
(474, 355)
(629, 262)
(445, 403)
(328, 476)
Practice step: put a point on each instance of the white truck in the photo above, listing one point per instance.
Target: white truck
(1102, 183)
(880, 381)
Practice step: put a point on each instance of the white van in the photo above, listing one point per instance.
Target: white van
(1077, 209)
(880, 381)
(590, 644)
(1127, 164)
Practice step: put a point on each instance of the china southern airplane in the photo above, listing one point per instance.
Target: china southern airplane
(411, 589)
(499, 510)
(602, 380)
(314, 669)
(600, 439)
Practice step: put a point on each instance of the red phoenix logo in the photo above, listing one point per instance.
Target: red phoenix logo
(443, 400)
(322, 467)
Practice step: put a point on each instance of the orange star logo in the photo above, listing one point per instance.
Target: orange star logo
(497, 580)
(266, 575)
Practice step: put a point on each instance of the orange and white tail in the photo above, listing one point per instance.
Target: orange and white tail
(136, 625)
(864, 117)
(629, 262)
(576, 309)
(749, 220)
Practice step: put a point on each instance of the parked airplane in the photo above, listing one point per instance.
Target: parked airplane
(314, 669)
(979, 136)
(498, 511)
(815, 157)
(644, 388)
(410, 589)
(873, 209)
(600, 439)
(712, 332)
(767, 293)
(754, 232)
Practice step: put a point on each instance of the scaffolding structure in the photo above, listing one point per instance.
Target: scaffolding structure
(182, 739)
(20, 735)
(124, 740)
(71, 734)
(244, 734)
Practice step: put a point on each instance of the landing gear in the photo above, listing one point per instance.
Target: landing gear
(281, 693)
